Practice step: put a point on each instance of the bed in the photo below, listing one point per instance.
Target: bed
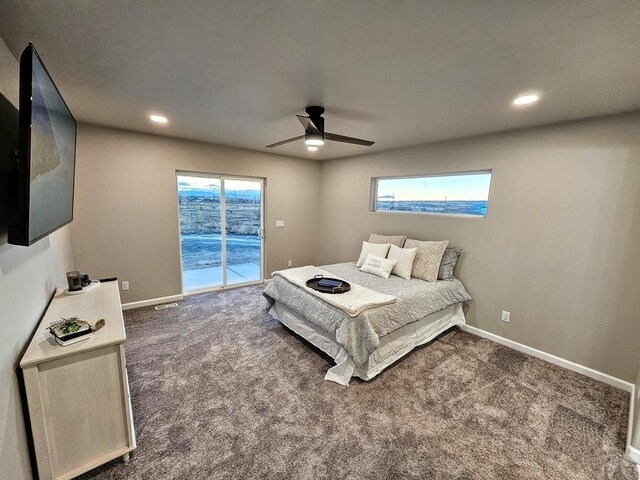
(365, 343)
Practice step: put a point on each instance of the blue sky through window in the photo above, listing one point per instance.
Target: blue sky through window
(465, 187)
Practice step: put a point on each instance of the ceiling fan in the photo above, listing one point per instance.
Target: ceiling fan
(314, 134)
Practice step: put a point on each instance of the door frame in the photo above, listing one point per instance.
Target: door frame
(223, 229)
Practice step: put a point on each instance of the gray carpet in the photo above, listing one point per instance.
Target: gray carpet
(221, 390)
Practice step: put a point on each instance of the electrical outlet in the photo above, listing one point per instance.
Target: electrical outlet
(125, 285)
(279, 223)
(505, 316)
(289, 263)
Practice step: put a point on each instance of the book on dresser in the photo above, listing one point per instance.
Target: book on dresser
(70, 340)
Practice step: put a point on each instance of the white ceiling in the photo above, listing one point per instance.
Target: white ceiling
(398, 72)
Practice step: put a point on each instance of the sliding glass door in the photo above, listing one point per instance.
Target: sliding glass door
(243, 232)
(221, 230)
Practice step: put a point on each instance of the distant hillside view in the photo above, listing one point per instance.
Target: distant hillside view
(200, 212)
(458, 207)
(200, 231)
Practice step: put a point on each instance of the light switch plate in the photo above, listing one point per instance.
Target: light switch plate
(279, 223)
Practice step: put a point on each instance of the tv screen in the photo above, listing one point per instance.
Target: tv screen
(47, 151)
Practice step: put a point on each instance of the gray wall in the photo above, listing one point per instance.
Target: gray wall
(559, 245)
(126, 211)
(28, 277)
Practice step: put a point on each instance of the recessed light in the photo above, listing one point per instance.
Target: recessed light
(158, 119)
(526, 99)
(312, 148)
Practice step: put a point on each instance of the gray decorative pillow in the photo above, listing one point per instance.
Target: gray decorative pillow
(448, 263)
(428, 258)
(397, 240)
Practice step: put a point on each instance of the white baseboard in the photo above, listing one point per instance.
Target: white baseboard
(152, 301)
(633, 454)
(576, 367)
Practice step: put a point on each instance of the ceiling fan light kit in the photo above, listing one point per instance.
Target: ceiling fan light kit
(314, 134)
(313, 140)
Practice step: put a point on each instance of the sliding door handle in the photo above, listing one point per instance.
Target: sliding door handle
(261, 232)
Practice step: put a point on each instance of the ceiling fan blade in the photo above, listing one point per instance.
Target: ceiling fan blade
(308, 124)
(341, 138)
(277, 144)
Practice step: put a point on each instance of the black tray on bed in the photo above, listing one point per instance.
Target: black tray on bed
(313, 283)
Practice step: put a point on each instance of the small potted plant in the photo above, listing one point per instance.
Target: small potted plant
(70, 330)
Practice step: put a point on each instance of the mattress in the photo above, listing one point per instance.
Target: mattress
(360, 336)
(391, 347)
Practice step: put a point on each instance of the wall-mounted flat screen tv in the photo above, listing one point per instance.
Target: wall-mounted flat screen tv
(46, 155)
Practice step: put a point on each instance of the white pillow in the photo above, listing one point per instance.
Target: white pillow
(378, 266)
(378, 249)
(405, 257)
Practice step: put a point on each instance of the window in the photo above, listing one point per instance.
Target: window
(464, 193)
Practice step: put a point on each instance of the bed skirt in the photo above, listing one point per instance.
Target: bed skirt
(392, 347)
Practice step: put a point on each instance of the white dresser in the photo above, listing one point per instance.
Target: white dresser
(78, 395)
